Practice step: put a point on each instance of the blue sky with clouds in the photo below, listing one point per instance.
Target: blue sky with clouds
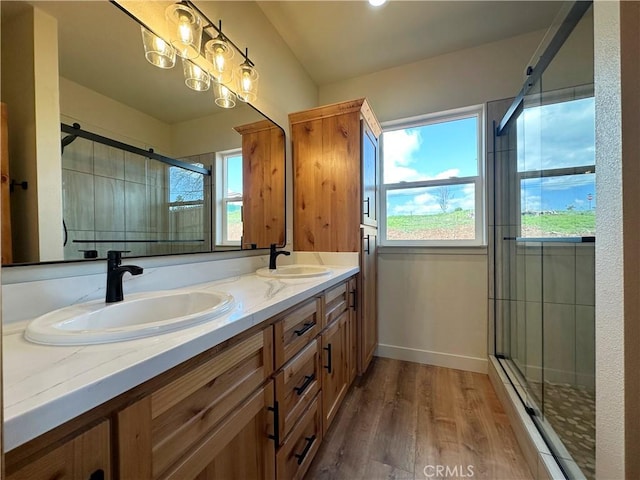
(557, 135)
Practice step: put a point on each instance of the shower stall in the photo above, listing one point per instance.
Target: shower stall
(543, 243)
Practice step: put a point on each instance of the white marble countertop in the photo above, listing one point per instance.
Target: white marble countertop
(45, 386)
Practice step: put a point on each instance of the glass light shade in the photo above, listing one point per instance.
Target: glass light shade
(219, 53)
(195, 77)
(247, 82)
(224, 97)
(185, 28)
(157, 51)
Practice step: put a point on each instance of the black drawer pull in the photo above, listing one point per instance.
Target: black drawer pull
(305, 328)
(307, 447)
(368, 244)
(328, 365)
(308, 380)
(97, 475)
(366, 214)
(276, 423)
(354, 305)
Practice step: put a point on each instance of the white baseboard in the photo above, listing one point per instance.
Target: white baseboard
(459, 362)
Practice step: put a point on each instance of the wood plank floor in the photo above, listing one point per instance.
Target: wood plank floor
(401, 417)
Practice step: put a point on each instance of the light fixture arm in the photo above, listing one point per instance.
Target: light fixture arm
(218, 29)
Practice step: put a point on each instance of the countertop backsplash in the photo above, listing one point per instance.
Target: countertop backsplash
(28, 300)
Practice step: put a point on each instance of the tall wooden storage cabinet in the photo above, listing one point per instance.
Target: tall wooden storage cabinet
(335, 165)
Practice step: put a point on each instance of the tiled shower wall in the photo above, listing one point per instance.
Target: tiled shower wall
(542, 296)
(110, 194)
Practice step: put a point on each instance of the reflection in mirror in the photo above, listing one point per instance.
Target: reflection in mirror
(85, 195)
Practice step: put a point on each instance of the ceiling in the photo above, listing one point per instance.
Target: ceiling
(333, 40)
(336, 40)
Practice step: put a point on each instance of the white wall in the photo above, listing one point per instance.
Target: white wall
(617, 87)
(30, 90)
(110, 118)
(433, 307)
(459, 79)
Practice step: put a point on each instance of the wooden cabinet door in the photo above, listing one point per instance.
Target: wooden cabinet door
(335, 367)
(85, 457)
(262, 184)
(353, 329)
(239, 449)
(368, 331)
(326, 165)
(369, 176)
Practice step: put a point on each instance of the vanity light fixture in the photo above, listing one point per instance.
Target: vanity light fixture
(185, 25)
(247, 80)
(224, 97)
(157, 51)
(377, 3)
(219, 52)
(195, 77)
(185, 29)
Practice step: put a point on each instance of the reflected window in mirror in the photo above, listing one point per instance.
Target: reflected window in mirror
(229, 196)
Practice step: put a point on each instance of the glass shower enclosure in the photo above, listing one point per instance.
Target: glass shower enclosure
(544, 239)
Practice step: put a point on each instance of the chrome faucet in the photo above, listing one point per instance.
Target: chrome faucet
(115, 271)
(273, 255)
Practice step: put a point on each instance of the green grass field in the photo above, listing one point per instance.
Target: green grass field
(562, 223)
(568, 222)
(409, 223)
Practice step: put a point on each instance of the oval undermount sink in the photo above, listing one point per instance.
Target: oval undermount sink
(139, 315)
(294, 271)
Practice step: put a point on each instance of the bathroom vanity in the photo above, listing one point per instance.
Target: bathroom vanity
(247, 395)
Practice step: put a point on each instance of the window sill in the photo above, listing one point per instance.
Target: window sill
(433, 250)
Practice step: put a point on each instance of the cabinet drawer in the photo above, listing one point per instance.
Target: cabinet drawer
(186, 409)
(336, 301)
(297, 384)
(88, 455)
(295, 330)
(297, 452)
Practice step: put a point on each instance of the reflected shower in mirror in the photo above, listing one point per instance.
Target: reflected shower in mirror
(91, 196)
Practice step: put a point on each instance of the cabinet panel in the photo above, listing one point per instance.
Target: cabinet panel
(157, 431)
(326, 193)
(297, 384)
(296, 329)
(78, 459)
(368, 298)
(306, 140)
(353, 329)
(238, 449)
(335, 367)
(262, 184)
(370, 177)
(298, 450)
(336, 301)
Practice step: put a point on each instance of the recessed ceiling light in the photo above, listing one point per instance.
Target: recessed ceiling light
(377, 3)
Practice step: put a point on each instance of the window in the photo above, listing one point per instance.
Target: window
(432, 180)
(229, 198)
(556, 169)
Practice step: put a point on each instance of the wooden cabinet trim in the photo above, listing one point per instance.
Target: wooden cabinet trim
(359, 105)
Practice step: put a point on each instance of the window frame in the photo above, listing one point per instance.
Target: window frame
(222, 201)
(477, 111)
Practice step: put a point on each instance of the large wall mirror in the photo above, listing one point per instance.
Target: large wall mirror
(84, 109)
